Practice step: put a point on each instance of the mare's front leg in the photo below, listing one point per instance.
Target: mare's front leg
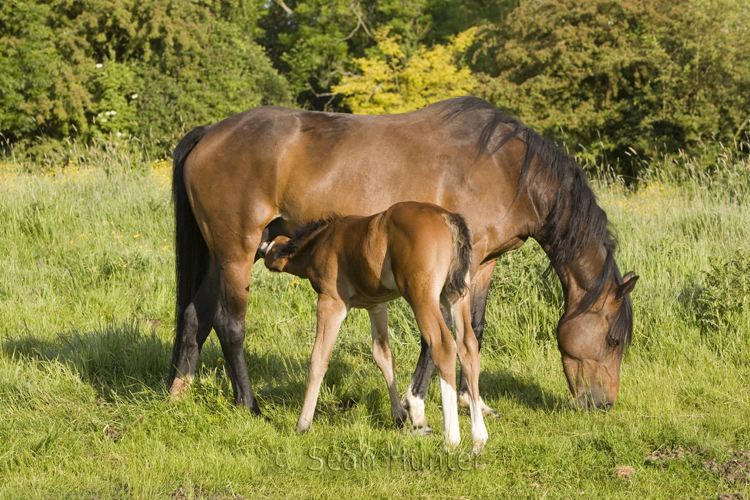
(468, 355)
(331, 312)
(480, 287)
(381, 351)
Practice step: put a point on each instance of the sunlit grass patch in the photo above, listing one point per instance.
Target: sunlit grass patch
(86, 331)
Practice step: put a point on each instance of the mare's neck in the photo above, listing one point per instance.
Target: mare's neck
(580, 274)
(573, 234)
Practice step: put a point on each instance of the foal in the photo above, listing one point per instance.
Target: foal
(416, 250)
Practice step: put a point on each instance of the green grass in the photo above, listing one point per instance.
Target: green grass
(86, 318)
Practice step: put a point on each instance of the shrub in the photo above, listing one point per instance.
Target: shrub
(726, 296)
(391, 82)
(623, 76)
(90, 68)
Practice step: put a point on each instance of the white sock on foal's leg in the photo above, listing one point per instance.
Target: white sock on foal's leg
(478, 430)
(451, 431)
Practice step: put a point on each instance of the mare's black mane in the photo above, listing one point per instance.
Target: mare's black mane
(575, 218)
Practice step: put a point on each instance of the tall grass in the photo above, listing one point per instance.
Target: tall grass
(86, 319)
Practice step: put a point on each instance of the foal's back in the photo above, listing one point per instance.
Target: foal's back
(410, 249)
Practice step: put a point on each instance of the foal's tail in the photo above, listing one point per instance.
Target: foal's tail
(455, 285)
(191, 251)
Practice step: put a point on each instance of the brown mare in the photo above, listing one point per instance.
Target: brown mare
(280, 168)
(419, 251)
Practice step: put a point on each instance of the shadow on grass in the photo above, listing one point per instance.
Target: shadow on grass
(123, 359)
(504, 384)
(116, 359)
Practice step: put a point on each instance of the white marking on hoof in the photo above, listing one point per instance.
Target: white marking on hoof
(451, 431)
(415, 406)
(478, 430)
(179, 387)
(464, 401)
(489, 412)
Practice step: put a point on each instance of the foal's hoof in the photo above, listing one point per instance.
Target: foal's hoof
(421, 430)
(478, 448)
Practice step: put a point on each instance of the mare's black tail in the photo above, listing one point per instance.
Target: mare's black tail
(191, 251)
(455, 285)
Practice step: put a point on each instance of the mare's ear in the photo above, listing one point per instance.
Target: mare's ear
(628, 283)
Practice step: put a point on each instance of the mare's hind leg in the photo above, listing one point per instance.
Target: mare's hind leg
(480, 287)
(381, 351)
(229, 323)
(416, 394)
(198, 321)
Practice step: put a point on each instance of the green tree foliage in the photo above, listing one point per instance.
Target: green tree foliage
(314, 42)
(92, 67)
(612, 75)
(391, 82)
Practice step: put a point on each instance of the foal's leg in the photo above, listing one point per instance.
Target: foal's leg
(229, 323)
(468, 355)
(480, 287)
(197, 323)
(443, 348)
(381, 351)
(331, 312)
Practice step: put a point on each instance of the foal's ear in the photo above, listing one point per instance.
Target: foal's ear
(628, 283)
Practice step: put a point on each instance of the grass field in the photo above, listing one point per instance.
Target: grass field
(86, 319)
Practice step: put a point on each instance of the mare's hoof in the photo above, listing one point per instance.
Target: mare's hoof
(423, 430)
(179, 387)
(399, 422)
(490, 412)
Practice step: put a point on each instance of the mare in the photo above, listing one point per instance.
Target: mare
(276, 168)
(418, 251)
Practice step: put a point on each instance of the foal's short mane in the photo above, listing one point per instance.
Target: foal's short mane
(575, 218)
(303, 236)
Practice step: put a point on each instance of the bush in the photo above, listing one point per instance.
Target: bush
(623, 76)
(392, 82)
(90, 68)
(726, 296)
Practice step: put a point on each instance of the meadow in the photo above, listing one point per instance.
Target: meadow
(86, 329)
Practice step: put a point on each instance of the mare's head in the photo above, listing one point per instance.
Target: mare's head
(592, 339)
(597, 324)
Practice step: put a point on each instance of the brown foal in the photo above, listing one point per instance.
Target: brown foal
(419, 251)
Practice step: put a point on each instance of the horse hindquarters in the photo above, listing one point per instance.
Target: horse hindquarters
(211, 280)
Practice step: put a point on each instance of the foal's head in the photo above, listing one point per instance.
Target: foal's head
(592, 343)
(271, 254)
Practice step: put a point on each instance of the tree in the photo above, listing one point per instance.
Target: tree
(89, 68)
(610, 75)
(392, 82)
